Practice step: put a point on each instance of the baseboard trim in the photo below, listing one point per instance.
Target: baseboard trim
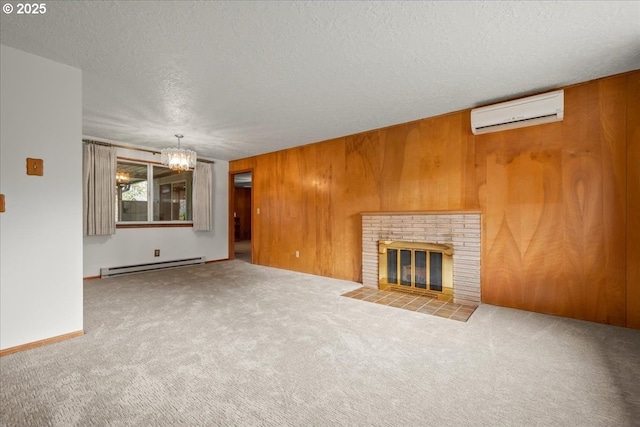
(206, 262)
(40, 343)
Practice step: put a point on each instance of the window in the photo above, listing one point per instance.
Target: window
(152, 193)
(172, 195)
(132, 192)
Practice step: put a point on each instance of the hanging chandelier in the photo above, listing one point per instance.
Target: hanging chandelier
(178, 159)
(123, 177)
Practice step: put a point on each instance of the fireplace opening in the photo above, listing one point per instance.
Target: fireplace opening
(425, 268)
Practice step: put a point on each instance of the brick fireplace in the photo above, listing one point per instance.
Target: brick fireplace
(458, 228)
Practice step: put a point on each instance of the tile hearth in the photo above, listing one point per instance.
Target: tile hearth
(418, 303)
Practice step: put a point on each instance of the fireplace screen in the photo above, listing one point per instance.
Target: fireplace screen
(423, 267)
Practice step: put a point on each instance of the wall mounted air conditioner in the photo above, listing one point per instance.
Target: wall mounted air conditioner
(533, 110)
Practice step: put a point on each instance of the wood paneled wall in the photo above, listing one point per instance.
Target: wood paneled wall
(553, 197)
(554, 204)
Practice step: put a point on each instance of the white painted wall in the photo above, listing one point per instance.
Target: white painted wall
(41, 230)
(136, 245)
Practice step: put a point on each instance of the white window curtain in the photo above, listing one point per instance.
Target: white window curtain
(99, 185)
(202, 190)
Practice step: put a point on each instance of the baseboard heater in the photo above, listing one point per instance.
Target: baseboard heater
(137, 268)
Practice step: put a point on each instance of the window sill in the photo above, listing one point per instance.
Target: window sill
(154, 224)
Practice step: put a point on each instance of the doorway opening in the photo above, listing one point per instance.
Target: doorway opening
(241, 216)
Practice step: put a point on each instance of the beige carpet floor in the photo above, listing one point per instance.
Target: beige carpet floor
(235, 344)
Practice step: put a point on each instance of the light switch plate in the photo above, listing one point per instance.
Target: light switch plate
(35, 166)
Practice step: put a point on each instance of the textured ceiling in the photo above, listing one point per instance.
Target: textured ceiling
(244, 78)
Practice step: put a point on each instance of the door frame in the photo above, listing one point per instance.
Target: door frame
(232, 200)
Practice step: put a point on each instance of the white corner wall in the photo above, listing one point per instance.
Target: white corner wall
(41, 230)
(136, 245)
